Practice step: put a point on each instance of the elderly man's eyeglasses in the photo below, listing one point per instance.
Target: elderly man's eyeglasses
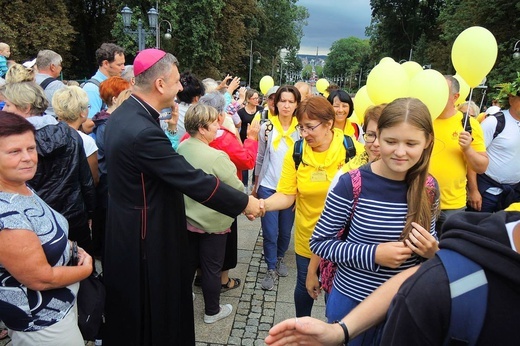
(370, 137)
(307, 129)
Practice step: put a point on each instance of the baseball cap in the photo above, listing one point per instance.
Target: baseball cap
(30, 63)
(271, 91)
(492, 110)
(146, 59)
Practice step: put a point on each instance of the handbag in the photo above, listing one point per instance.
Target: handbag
(328, 268)
(91, 306)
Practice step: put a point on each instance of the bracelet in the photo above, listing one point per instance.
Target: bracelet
(172, 132)
(345, 331)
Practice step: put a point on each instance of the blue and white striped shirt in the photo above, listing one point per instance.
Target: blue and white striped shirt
(379, 217)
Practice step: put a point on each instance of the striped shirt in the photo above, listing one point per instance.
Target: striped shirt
(379, 217)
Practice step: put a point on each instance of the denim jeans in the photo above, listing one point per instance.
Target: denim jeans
(302, 300)
(339, 305)
(276, 230)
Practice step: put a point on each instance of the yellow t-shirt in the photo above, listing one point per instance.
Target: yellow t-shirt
(350, 130)
(310, 185)
(448, 164)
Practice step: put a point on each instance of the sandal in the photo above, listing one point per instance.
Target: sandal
(3, 334)
(227, 287)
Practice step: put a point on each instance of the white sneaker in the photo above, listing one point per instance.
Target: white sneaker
(225, 311)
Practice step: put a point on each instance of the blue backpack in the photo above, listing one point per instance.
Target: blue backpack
(469, 291)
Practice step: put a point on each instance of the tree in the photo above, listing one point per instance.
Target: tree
(398, 25)
(347, 55)
(30, 26)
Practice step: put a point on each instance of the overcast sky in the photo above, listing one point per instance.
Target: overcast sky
(330, 20)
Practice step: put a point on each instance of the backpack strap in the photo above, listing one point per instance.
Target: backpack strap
(297, 153)
(47, 81)
(350, 148)
(355, 176)
(96, 83)
(501, 123)
(356, 130)
(468, 290)
(348, 143)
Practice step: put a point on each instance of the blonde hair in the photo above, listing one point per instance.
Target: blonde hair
(69, 102)
(26, 95)
(197, 116)
(472, 106)
(18, 73)
(3, 46)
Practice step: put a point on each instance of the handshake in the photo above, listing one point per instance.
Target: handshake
(255, 208)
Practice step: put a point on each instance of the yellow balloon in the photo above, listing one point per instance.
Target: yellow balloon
(412, 68)
(266, 83)
(431, 88)
(361, 102)
(321, 85)
(386, 59)
(464, 90)
(473, 54)
(387, 82)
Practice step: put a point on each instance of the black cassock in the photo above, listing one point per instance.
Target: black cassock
(148, 282)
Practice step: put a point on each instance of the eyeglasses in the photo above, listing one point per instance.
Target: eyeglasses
(369, 137)
(307, 129)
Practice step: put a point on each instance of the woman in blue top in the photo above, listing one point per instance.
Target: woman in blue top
(38, 290)
(396, 199)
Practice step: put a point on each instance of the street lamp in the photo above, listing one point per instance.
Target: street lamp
(167, 35)
(516, 50)
(251, 56)
(141, 33)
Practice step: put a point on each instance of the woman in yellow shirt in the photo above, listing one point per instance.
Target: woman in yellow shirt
(323, 155)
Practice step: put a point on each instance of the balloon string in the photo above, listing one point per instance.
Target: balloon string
(466, 116)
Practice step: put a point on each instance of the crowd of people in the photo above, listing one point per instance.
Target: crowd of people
(147, 169)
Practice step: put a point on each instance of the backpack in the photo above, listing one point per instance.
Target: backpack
(469, 291)
(348, 143)
(47, 81)
(96, 83)
(501, 123)
(328, 268)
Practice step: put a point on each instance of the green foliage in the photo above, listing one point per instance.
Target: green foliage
(30, 26)
(347, 55)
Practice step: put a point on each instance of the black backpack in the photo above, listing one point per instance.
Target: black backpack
(348, 143)
(501, 123)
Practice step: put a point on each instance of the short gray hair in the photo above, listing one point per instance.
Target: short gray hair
(214, 99)
(145, 79)
(47, 57)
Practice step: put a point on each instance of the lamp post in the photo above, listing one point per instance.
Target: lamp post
(516, 51)
(251, 55)
(140, 34)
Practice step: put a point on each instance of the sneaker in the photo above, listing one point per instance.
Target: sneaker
(225, 311)
(281, 268)
(269, 280)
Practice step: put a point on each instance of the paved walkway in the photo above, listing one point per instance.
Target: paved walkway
(255, 311)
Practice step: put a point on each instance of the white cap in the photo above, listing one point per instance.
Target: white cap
(492, 110)
(272, 90)
(30, 63)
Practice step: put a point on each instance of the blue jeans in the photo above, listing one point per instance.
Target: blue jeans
(302, 300)
(276, 230)
(339, 305)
